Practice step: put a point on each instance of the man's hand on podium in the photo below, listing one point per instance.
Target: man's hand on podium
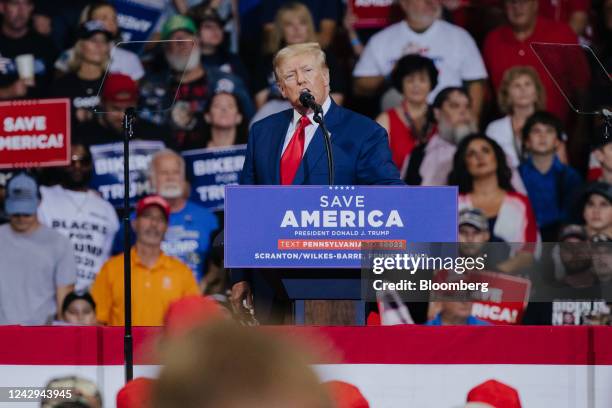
(242, 297)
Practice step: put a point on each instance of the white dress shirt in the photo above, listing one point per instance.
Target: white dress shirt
(310, 129)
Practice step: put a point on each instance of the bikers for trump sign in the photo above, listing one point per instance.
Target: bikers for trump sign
(34, 133)
(210, 170)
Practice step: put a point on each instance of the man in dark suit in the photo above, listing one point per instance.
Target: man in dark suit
(288, 147)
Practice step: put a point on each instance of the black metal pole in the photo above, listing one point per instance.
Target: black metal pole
(128, 345)
(318, 117)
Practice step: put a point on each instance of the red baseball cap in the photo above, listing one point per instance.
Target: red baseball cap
(494, 393)
(191, 311)
(136, 393)
(345, 395)
(148, 201)
(119, 88)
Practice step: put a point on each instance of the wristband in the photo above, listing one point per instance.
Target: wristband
(355, 42)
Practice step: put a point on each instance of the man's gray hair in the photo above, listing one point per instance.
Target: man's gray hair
(294, 50)
(165, 153)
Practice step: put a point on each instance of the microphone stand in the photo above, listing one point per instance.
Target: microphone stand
(318, 117)
(128, 342)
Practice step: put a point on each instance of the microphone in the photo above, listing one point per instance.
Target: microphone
(308, 101)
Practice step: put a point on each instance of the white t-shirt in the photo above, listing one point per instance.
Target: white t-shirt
(501, 131)
(451, 48)
(122, 62)
(87, 220)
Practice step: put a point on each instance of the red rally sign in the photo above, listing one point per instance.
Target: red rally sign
(505, 300)
(34, 133)
(372, 13)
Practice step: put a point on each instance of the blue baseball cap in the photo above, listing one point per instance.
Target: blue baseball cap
(21, 195)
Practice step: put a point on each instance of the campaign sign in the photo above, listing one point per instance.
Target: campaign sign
(137, 21)
(372, 13)
(108, 170)
(35, 133)
(326, 226)
(210, 170)
(505, 300)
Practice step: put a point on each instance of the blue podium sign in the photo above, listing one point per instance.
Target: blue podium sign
(326, 226)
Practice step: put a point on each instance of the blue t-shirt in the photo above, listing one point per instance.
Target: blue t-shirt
(471, 321)
(552, 193)
(188, 237)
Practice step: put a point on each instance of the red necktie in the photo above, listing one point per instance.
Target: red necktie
(290, 161)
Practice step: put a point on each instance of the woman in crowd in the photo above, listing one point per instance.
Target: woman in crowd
(597, 210)
(483, 176)
(521, 94)
(293, 25)
(124, 61)
(411, 123)
(86, 70)
(224, 121)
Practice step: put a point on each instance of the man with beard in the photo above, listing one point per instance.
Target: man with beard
(430, 164)
(79, 213)
(157, 279)
(177, 95)
(190, 226)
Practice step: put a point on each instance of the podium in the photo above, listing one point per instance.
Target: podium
(309, 238)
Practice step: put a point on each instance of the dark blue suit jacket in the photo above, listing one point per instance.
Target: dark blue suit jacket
(359, 145)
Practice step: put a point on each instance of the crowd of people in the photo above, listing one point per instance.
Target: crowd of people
(465, 101)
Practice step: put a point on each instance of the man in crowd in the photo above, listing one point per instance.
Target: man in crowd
(157, 279)
(509, 45)
(430, 164)
(119, 92)
(38, 268)
(79, 213)
(285, 148)
(212, 45)
(29, 75)
(552, 186)
(422, 32)
(190, 226)
(189, 81)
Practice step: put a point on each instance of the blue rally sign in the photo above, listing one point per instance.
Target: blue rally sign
(137, 20)
(210, 170)
(108, 170)
(324, 227)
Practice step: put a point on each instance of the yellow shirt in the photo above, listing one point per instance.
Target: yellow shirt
(153, 289)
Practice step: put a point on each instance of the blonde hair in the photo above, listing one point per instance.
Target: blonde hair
(277, 40)
(294, 50)
(76, 58)
(511, 74)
